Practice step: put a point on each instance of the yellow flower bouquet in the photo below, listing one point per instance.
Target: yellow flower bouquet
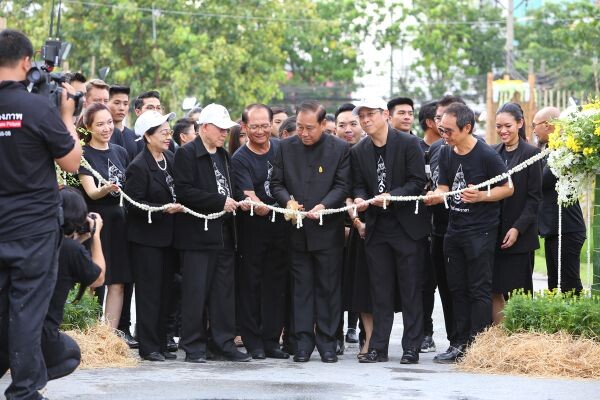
(576, 151)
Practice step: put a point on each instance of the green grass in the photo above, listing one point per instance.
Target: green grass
(551, 312)
(82, 314)
(540, 263)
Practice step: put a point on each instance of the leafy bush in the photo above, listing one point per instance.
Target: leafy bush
(81, 314)
(551, 312)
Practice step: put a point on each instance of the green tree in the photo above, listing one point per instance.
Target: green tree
(456, 41)
(567, 37)
(228, 51)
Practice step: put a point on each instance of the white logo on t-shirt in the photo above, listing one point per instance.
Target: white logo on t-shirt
(116, 176)
(381, 175)
(268, 181)
(222, 186)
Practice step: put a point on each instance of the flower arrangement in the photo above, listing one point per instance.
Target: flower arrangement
(576, 151)
(67, 178)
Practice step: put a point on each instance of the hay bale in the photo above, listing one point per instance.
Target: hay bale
(536, 354)
(102, 348)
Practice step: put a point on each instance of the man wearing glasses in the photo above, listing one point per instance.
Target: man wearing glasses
(573, 227)
(312, 172)
(147, 101)
(391, 163)
(470, 238)
(263, 243)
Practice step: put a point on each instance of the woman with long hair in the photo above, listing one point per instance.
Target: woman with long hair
(110, 160)
(518, 219)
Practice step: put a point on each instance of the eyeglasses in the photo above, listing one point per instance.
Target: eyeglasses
(152, 107)
(445, 131)
(369, 114)
(166, 133)
(533, 124)
(255, 128)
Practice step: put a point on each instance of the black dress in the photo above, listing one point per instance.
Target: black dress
(111, 164)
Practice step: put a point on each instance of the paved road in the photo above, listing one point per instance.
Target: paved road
(284, 379)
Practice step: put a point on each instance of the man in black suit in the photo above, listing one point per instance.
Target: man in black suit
(203, 183)
(389, 163)
(573, 227)
(314, 168)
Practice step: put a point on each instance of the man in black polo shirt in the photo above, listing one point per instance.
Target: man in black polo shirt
(118, 104)
(33, 134)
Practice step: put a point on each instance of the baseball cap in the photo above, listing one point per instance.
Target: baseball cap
(217, 115)
(150, 119)
(372, 102)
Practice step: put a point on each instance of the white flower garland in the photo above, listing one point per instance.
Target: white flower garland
(299, 215)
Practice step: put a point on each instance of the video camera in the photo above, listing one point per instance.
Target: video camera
(43, 80)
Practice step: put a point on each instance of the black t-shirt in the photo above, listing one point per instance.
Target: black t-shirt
(74, 265)
(386, 222)
(111, 164)
(457, 172)
(439, 212)
(506, 156)
(253, 171)
(220, 174)
(127, 139)
(32, 135)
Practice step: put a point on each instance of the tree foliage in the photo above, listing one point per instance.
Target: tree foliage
(566, 36)
(229, 51)
(457, 44)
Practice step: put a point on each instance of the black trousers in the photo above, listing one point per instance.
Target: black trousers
(439, 268)
(28, 269)
(207, 283)
(570, 252)
(317, 298)
(263, 266)
(395, 259)
(61, 353)
(429, 285)
(153, 274)
(469, 259)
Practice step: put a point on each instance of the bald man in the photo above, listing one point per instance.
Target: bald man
(573, 227)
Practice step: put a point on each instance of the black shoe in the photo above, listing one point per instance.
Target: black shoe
(288, 347)
(427, 345)
(329, 357)
(373, 356)
(302, 356)
(351, 336)
(258, 354)
(236, 355)
(169, 356)
(171, 345)
(154, 356)
(276, 353)
(200, 359)
(128, 339)
(451, 356)
(339, 348)
(410, 356)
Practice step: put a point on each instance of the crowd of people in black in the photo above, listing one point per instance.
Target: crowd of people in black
(254, 276)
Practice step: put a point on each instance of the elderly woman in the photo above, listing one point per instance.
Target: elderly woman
(518, 219)
(150, 182)
(110, 160)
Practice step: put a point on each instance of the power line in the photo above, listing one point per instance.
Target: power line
(238, 17)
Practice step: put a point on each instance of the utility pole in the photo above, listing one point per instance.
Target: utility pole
(392, 55)
(510, 36)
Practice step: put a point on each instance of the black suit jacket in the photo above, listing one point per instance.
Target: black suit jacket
(521, 209)
(572, 217)
(317, 174)
(405, 176)
(146, 184)
(196, 188)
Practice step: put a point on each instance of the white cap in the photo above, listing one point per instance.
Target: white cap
(372, 102)
(217, 115)
(149, 120)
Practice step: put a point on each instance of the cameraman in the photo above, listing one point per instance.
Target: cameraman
(61, 353)
(33, 134)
